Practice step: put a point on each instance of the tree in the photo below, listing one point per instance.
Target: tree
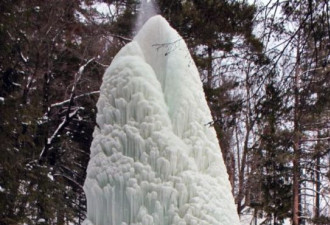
(296, 60)
(52, 56)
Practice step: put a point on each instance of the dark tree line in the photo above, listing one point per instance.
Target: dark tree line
(265, 69)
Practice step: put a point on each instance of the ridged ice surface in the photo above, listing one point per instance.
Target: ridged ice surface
(154, 161)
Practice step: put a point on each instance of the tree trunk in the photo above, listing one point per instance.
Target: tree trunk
(296, 144)
(317, 184)
(209, 67)
(296, 185)
(241, 176)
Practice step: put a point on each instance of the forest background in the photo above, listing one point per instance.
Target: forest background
(265, 68)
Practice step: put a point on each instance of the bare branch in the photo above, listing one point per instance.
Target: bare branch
(68, 178)
(315, 139)
(75, 98)
(56, 132)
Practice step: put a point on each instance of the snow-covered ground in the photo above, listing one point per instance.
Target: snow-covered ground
(249, 219)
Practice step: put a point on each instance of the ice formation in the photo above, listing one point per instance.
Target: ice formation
(154, 161)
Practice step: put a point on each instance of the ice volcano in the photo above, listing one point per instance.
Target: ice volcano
(154, 161)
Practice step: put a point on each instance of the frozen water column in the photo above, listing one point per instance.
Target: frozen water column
(154, 161)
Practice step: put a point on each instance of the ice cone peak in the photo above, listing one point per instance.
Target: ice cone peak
(158, 40)
(153, 160)
(156, 30)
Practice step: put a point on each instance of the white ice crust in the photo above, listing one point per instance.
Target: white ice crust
(154, 160)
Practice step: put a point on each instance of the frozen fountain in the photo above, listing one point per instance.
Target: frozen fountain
(154, 161)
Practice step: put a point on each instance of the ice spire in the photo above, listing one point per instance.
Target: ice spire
(154, 161)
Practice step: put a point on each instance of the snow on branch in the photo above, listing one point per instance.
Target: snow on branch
(60, 127)
(101, 64)
(316, 139)
(78, 75)
(122, 38)
(70, 111)
(56, 133)
(77, 78)
(25, 59)
(76, 97)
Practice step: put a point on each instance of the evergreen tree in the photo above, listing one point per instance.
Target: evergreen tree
(51, 67)
(274, 158)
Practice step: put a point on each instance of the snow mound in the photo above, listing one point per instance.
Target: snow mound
(154, 161)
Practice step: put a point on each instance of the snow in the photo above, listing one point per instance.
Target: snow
(249, 219)
(16, 84)
(25, 59)
(50, 176)
(154, 161)
(41, 220)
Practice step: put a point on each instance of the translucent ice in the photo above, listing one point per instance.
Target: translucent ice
(154, 161)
